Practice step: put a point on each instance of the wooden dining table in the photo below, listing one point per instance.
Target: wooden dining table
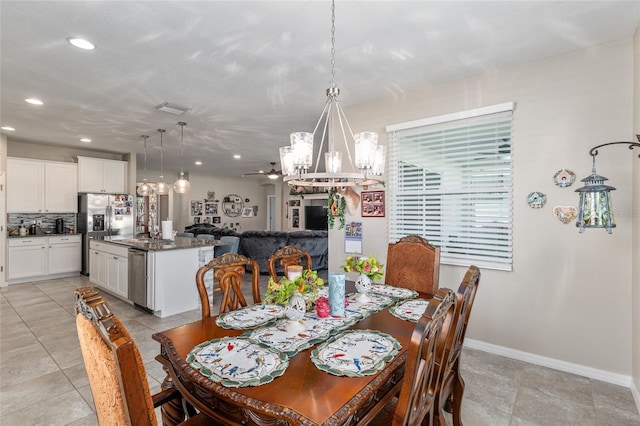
(303, 395)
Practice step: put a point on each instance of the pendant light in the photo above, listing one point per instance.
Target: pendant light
(163, 187)
(182, 185)
(145, 189)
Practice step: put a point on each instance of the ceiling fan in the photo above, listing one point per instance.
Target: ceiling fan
(271, 174)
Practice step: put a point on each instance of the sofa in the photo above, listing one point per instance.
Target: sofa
(259, 245)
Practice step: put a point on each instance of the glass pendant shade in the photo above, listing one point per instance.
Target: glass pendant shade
(302, 149)
(379, 160)
(595, 209)
(182, 185)
(333, 162)
(366, 146)
(144, 190)
(286, 161)
(163, 188)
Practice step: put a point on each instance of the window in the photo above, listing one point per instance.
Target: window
(450, 180)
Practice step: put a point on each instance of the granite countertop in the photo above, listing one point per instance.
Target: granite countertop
(162, 245)
(42, 234)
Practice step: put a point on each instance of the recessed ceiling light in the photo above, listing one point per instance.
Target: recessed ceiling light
(236, 156)
(7, 128)
(34, 101)
(198, 163)
(81, 43)
(86, 140)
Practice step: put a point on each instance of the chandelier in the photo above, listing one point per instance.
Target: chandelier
(296, 160)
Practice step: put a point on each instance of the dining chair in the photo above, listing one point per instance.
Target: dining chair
(416, 401)
(413, 263)
(232, 247)
(285, 257)
(115, 369)
(184, 234)
(451, 387)
(207, 237)
(228, 271)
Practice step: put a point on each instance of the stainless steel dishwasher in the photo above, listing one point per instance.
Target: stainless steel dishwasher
(137, 276)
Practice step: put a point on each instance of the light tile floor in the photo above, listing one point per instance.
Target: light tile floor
(43, 381)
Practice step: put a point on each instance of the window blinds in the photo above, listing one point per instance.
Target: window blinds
(451, 182)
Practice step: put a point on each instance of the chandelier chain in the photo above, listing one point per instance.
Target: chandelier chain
(333, 45)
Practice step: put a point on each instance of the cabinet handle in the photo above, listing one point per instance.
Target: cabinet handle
(115, 257)
(43, 247)
(49, 246)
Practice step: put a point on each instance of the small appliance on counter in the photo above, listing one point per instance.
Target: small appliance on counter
(33, 228)
(60, 226)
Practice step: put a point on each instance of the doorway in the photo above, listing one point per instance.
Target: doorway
(271, 203)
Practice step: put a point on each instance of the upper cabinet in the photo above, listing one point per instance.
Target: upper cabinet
(35, 186)
(102, 176)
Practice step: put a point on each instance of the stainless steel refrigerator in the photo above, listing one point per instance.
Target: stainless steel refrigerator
(103, 215)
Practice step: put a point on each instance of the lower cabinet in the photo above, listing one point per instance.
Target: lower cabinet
(108, 267)
(40, 258)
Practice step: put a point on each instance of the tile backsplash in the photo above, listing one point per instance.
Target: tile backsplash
(14, 220)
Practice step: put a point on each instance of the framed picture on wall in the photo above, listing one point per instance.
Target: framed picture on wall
(196, 208)
(247, 212)
(207, 220)
(216, 219)
(196, 220)
(210, 208)
(372, 203)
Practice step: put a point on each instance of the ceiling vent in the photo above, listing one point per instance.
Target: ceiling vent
(174, 109)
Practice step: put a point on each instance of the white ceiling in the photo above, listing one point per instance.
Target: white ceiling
(254, 71)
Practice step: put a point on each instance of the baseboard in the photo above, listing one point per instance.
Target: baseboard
(568, 367)
(635, 391)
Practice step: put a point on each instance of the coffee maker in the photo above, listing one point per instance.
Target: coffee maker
(60, 226)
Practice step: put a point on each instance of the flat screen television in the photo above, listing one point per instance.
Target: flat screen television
(315, 218)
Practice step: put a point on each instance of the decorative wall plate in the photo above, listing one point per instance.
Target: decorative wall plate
(564, 178)
(565, 214)
(536, 199)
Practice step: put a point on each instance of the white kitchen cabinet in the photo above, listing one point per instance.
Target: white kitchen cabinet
(35, 186)
(41, 258)
(65, 254)
(108, 267)
(99, 175)
(27, 258)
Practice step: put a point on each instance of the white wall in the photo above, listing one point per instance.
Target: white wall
(636, 227)
(201, 183)
(568, 297)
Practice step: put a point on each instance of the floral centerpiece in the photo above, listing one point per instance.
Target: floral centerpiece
(369, 266)
(279, 292)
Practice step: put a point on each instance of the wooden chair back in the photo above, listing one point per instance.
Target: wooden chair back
(116, 371)
(413, 263)
(287, 256)
(452, 384)
(416, 402)
(228, 272)
(114, 366)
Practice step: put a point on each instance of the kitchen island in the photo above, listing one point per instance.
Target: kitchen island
(158, 276)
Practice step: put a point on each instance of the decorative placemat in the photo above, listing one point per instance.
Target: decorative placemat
(237, 361)
(250, 316)
(290, 337)
(396, 292)
(375, 303)
(410, 310)
(355, 353)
